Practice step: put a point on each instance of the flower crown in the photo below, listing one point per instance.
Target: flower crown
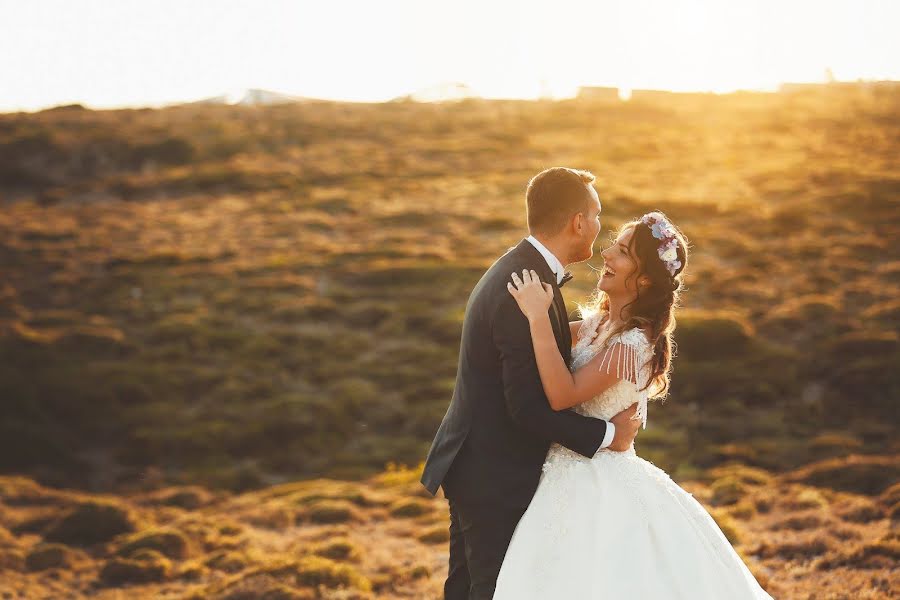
(663, 230)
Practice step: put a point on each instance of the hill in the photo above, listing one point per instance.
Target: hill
(218, 324)
(240, 296)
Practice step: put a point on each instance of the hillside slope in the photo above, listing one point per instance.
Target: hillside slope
(238, 296)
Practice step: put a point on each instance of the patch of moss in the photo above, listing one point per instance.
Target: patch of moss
(341, 549)
(859, 510)
(168, 542)
(436, 535)
(315, 571)
(270, 515)
(411, 508)
(192, 571)
(227, 561)
(6, 538)
(12, 559)
(804, 499)
(146, 566)
(727, 524)
(799, 522)
(745, 474)
(891, 496)
(357, 496)
(188, 498)
(331, 511)
(807, 548)
(306, 572)
(880, 554)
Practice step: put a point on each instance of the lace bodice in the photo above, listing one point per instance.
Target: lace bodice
(636, 360)
(581, 501)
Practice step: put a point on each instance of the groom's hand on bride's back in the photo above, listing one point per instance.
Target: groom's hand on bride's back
(626, 429)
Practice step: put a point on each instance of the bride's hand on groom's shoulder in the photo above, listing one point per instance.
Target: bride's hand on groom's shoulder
(533, 296)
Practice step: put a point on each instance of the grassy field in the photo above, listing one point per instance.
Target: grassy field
(239, 298)
(381, 538)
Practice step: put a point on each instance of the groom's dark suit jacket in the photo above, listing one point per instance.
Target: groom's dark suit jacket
(492, 443)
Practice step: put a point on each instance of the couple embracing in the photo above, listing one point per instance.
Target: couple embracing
(548, 499)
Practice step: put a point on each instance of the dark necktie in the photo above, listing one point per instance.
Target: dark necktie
(566, 277)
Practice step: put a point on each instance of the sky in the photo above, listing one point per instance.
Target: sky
(119, 53)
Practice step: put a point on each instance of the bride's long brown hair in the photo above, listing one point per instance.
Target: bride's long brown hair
(653, 310)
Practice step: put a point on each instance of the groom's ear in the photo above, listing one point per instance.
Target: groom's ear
(577, 222)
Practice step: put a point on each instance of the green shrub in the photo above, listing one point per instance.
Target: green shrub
(859, 474)
(701, 338)
(49, 556)
(90, 523)
(862, 343)
(727, 490)
(419, 572)
(170, 151)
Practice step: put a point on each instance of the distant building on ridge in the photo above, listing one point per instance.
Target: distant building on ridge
(596, 92)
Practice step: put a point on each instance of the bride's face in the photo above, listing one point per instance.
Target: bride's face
(620, 266)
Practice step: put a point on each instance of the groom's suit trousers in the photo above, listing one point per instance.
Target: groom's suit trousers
(479, 536)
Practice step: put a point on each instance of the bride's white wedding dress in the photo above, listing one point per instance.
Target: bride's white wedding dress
(616, 526)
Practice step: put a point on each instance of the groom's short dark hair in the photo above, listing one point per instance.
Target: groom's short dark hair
(553, 196)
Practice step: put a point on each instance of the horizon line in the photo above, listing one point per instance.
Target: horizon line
(624, 95)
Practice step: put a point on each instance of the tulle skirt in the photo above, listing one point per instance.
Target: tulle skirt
(616, 526)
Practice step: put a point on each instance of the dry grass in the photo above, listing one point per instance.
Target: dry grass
(202, 553)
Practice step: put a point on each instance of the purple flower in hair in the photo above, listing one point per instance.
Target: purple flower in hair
(668, 247)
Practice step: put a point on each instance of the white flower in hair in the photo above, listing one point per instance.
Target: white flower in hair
(668, 247)
(669, 254)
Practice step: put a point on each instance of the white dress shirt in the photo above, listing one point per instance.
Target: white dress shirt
(559, 270)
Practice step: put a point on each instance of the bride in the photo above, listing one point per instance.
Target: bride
(616, 526)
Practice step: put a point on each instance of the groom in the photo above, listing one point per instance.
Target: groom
(489, 450)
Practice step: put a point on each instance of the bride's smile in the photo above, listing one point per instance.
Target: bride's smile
(619, 266)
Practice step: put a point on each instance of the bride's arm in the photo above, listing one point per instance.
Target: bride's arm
(562, 388)
(565, 389)
(574, 326)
